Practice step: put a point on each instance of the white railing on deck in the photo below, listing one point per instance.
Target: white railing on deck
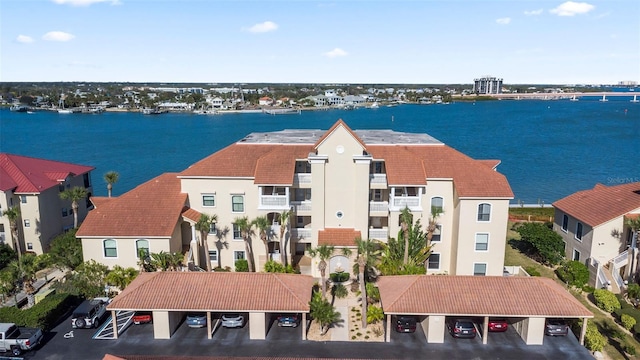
(301, 205)
(602, 278)
(302, 178)
(274, 200)
(410, 201)
(378, 178)
(378, 206)
(379, 234)
(621, 260)
(618, 279)
(301, 233)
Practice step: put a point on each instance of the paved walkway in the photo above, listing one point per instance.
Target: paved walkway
(340, 330)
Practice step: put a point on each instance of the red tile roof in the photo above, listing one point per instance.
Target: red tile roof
(338, 237)
(478, 296)
(100, 200)
(191, 214)
(333, 128)
(216, 291)
(602, 203)
(30, 175)
(151, 209)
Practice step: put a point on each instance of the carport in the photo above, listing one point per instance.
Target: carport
(169, 295)
(530, 300)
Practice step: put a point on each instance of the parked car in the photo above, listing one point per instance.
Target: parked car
(232, 320)
(142, 317)
(461, 328)
(196, 320)
(555, 327)
(18, 339)
(288, 320)
(89, 313)
(497, 325)
(406, 323)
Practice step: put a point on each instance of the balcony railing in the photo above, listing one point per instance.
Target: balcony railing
(274, 201)
(301, 233)
(302, 178)
(378, 206)
(379, 234)
(378, 178)
(299, 206)
(406, 201)
(621, 259)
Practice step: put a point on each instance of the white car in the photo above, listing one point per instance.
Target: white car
(232, 320)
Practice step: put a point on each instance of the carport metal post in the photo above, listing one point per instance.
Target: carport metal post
(388, 334)
(114, 320)
(208, 324)
(485, 330)
(304, 326)
(583, 331)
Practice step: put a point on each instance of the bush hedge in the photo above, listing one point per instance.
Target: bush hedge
(593, 340)
(338, 277)
(242, 265)
(573, 273)
(44, 314)
(606, 300)
(627, 321)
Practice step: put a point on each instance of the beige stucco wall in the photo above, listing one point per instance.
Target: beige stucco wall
(584, 246)
(92, 248)
(604, 246)
(535, 331)
(444, 189)
(434, 328)
(165, 323)
(469, 226)
(257, 326)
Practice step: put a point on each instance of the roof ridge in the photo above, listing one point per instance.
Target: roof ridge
(400, 294)
(17, 171)
(547, 283)
(277, 276)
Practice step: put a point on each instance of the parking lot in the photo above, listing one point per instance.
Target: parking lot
(286, 342)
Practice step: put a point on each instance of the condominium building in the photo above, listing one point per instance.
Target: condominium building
(487, 85)
(338, 184)
(33, 186)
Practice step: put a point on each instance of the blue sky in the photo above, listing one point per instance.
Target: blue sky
(417, 42)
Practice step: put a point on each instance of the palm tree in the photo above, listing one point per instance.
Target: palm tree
(324, 252)
(74, 194)
(405, 219)
(204, 226)
(284, 222)
(26, 269)
(432, 225)
(362, 262)
(262, 225)
(246, 231)
(111, 178)
(13, 214)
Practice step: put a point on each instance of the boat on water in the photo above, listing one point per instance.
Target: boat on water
(374, 105)
(65, 111)
(19, 108)
(147, 111)
(282, 111)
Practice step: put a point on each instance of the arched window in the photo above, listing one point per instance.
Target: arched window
(484, 212)
(142, 245)
(110, 248)
(437, 204)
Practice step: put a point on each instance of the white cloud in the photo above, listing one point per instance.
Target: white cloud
(263, 27)
(57, 36)
(337, 52)
(24, 39)
(84, 2)
(533, 12)
(571, 8)
(503, 21)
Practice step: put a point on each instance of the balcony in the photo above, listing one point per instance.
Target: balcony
(378, 181)
(301, 233)
(379, 234)
(381, 207)
(301, 207)
(274, 202)
(301, 178)
(400, 202)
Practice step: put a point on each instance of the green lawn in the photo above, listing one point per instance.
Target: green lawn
(616, 336)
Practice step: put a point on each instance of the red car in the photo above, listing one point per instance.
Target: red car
(142, 318)
(498, 325)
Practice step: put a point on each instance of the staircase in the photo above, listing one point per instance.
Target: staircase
(124, 319)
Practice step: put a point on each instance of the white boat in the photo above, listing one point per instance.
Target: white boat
(19, 108)
(574, 98)
(375, 105)
(65, 111)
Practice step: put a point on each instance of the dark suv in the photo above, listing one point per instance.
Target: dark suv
(89, 313)
(406, 324)
(461, 328)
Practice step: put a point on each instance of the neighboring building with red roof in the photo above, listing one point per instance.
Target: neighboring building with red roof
(338, 184)
(33, 185)
(593, 227)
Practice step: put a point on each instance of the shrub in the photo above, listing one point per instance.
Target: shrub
(276, 267)
(373, 292)
(242, 265)
(340, 291)
(630, 349)
(606, 300)
(374, 314)
(627, 321)
(378, 331)
(44, 314)
(547, 244)
(593, 340)
(633, 291)
(531, 270)
(339, 276)
(588, 289)
(574, 273)
(219, 269)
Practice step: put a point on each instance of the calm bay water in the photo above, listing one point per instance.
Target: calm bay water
(549, 149)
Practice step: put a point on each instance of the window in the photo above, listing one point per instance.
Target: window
(479, 269)
(238, 255)
(61, 187)
(142, 246)
(208, 200)
(29, 246)
(434, 262)
(65, 212)
(27, 223)
(377, 167)
(576, 255)
(212, 228)
(23, 199)
(376, 195)
(437, 234)
(110, 249)
(213, 255)
(437, 204)
(484, 212)
(236, 232)
(237, 203)
(482, 242)
(88, 202)
(579, 231)
(302, 195)
(565, 223)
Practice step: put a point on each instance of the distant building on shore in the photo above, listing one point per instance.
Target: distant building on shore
(487, 85)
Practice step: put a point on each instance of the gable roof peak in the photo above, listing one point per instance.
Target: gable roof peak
(338, 124)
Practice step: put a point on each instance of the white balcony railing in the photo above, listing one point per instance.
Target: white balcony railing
(274, 201)
(299, 206)
(378, 178)
(302, 178)
(379, 234)
(301, 233)
(621, 259)
(406, 201)
(378, 206)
